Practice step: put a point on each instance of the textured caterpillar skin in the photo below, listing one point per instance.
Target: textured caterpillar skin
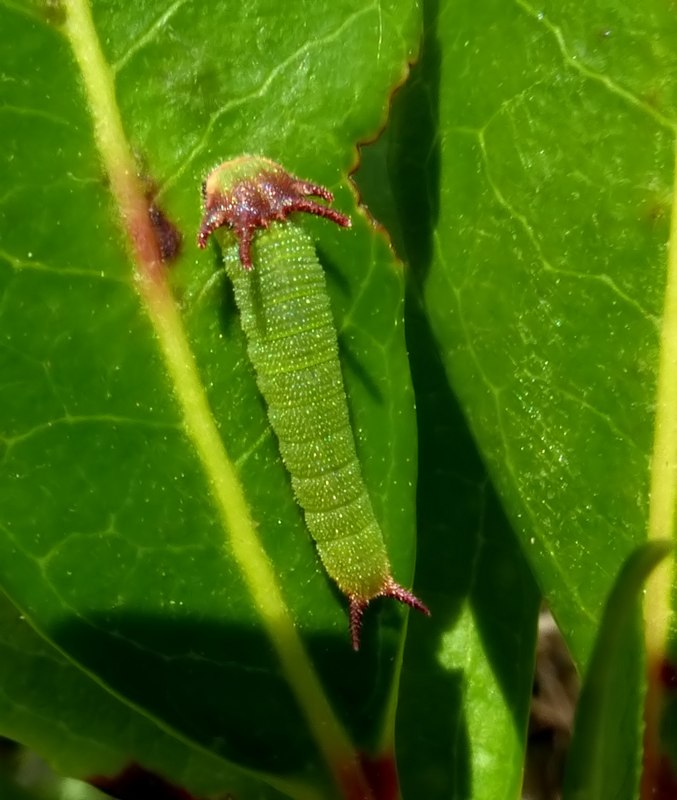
(292, 344)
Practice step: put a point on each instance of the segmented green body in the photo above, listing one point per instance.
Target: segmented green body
(292, 344)
(281, 292)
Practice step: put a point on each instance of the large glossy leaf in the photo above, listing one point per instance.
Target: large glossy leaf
(534, 194)
(543, 276)
(149, 530)
(466, 683)
(52, 706)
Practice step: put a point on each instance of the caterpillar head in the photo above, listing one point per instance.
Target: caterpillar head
(250, 192)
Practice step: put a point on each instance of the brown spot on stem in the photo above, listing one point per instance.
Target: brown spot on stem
(381, 775)
(137, 783)
(668, 674)
(665, 784)
(168, 236)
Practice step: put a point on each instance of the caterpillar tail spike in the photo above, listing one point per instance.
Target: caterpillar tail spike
(391, 589)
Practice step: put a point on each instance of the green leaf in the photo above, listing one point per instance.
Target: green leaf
(467, 676)
(52, 707)
(604, 760)
(31, 779)
(535, 194)
(12, 792)
(149, 530)
(466, 683)
(530, 165)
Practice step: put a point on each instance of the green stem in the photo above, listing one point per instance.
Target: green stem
(663, 493)
(664, 454)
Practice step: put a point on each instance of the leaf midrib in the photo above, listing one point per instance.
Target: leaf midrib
(198, 420)
(663, 475)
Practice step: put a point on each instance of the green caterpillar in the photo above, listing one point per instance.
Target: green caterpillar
(286, 316)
